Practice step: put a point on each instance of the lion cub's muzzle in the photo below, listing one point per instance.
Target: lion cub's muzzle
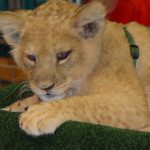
(50, 92)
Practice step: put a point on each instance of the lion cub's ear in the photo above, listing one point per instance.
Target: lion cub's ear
(110, 5)
(10, 26)
(89, 19)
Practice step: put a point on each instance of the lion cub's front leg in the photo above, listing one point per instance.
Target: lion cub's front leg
(46, 117)
(22, 105)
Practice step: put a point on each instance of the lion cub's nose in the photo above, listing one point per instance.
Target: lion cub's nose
(47, 87)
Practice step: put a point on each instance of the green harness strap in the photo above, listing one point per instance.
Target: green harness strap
(134, 49)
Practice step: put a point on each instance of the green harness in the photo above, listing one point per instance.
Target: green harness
(134, 49)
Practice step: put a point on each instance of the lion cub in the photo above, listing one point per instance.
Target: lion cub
(72, 55)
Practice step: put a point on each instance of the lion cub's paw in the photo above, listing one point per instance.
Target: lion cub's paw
(40, 119)
(17, 107)
(22, 105)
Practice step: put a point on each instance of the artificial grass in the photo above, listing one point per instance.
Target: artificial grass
(70, 136)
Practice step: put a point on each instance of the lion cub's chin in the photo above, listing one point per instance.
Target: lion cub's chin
(48, 97)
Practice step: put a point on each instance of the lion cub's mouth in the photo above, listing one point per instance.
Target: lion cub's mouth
(55, 93)
(49, 97)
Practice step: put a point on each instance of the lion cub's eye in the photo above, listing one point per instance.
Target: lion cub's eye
(63, 55)
(31, 57)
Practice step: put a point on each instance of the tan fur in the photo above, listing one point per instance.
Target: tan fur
(22, 105)
(97, 83)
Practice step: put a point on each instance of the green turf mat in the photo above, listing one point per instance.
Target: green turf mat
(70, 136)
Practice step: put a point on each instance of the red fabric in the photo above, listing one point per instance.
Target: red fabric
(131, 10)
(86, 1)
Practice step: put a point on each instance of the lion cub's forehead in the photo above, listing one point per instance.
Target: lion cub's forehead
(56, 9)
(39, 30)
(45, 26)
(46, 37)
(50, 19)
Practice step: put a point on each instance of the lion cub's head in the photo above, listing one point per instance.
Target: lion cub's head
(57, 45)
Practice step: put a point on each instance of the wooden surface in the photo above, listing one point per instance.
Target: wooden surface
(9, 71)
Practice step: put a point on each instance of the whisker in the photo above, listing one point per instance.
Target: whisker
(64, 85)
(25, 86)
(61, 88)
(17, 88)
(25, 89)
